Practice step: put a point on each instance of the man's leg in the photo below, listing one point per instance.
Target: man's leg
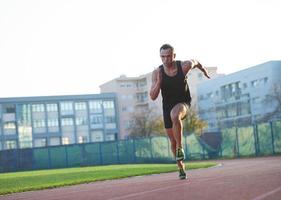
(174, 146)
(178, 112)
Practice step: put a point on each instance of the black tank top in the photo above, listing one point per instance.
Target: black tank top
(174, 89)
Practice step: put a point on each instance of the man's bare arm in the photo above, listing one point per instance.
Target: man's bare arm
(191, 64)
(156, 84)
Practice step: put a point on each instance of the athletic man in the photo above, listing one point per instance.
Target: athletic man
(170, 78)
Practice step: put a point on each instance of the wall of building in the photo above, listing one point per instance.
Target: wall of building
(133, 95)
(55, 120)
(239, 98)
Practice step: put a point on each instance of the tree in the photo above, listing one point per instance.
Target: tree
(193, 124)
(146, 124)
(273, 99)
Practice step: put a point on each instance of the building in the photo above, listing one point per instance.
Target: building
(133, 95)
(241, 98)
(57, 120)
(195, 77)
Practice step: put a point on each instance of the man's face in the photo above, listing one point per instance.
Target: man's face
(167, 56)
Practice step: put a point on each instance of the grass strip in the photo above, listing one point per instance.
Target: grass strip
(43, 179)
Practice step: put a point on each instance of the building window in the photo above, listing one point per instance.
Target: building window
(65, 140)
(97, 136)
(245, 108)
(41, 142)
(81, 121)
(108, 104)
(66, 106)
(229, 91)
(232, 110)
(110, 119)
(96, 119)
(10, 125)
(82, 139)
(10, 144)
(52, 107)
(67, 122)
(95, 106)
(38, 108)
(39, 123)
(254, 83)
(54, 141)
(10, 109)
(53, 122)
(122, 85)
(110, 137)
(141, 83)
(142, 97)
(80, 106)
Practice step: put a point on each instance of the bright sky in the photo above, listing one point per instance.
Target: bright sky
(62, 47)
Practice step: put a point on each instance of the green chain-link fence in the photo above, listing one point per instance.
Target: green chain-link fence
(259, 139)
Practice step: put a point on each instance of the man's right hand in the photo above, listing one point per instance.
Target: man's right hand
(159, 77)
(156, 83)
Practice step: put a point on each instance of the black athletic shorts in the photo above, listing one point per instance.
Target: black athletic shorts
(167, 114)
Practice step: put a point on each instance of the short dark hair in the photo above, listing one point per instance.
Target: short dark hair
(167, 46)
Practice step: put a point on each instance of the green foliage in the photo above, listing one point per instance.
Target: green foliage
(246, 141)
(277, 136)
(265, 139)
(273, 99)
(229, 142)
(193, 145)
(193, 124)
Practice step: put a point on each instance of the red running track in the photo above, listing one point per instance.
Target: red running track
(253, 179)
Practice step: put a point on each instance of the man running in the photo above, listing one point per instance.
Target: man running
(171, 79)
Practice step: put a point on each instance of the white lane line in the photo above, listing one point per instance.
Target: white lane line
(267, 194)
(147, 192)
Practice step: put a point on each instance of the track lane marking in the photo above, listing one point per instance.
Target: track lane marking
(267, 194)
(147, 192)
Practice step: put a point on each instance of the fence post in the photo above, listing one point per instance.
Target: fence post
(49, 158)
(83, 161)
(18, 159)
(256, 136)
(258, 140)
(117, 149)
(272, 137)
(220, 151)
(169, 148)
(151, 154)
(134, 150)
(237, 142)
(66, 156)
(185, 147)
(203, 149)
(100, 153)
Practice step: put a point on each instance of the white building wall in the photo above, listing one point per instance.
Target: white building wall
(253, 85)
